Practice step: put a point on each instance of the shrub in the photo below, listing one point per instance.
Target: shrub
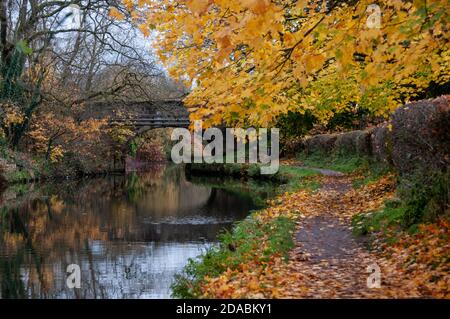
(323, 143)
(353, 118)
(426, 196)
(381, 144)
(420, 154)
(363, 146)
(420, 136)
(355, 142)
(293, 126)
(291, 146)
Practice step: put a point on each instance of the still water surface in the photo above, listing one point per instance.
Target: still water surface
(129, 234)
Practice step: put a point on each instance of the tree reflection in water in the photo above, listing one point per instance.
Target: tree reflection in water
(129, 234)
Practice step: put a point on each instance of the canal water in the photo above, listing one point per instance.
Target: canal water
(129, 235)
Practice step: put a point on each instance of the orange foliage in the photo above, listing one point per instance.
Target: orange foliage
(416, 266)
(255, 59)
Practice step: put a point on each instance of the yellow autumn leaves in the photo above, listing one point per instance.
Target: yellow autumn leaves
(54, 134)
(115, 13)
(255, 59)
(10, 115)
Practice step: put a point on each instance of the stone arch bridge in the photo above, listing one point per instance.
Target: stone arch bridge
(143, 115)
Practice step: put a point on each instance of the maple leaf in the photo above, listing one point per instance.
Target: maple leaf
(275, 46)
(198, 6)
(115, 13)
(257, 6)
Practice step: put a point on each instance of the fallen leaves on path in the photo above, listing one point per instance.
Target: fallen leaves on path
(424, 258)
(406, 268)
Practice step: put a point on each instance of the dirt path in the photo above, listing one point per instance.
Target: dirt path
(322, 237)
(327, 260)
(332, 263)
(328, 253)
(323, 171)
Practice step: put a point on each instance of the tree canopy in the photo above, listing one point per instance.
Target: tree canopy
(249, 61)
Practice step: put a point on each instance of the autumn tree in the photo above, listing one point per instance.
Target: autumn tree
(65, 54)
(53, 133)
(252, 60)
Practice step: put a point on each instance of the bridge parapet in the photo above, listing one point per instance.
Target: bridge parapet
(154, 122)
(142, 114)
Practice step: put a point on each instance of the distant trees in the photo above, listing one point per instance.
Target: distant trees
(63, 54)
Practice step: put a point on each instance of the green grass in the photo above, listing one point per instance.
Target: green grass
(20, 188)
(369, 170)
(421, 200)
(371, 173)
(337, 162)
(390, 222)
(241, 245)
(18, 176)
(368, 223)
(298, 178)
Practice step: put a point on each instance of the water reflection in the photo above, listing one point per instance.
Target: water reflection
(129, 235)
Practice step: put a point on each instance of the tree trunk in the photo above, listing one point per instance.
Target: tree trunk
(3, 32)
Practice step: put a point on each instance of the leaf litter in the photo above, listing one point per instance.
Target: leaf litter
(328, 262)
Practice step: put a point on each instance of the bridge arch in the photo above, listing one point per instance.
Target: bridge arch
(142, 115)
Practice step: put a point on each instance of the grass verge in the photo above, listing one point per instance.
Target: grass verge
(366, 169)
(391, 216)
(251, 239)
(288, 178)
(417, 203)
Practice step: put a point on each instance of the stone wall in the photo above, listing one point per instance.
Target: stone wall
(416, 135)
